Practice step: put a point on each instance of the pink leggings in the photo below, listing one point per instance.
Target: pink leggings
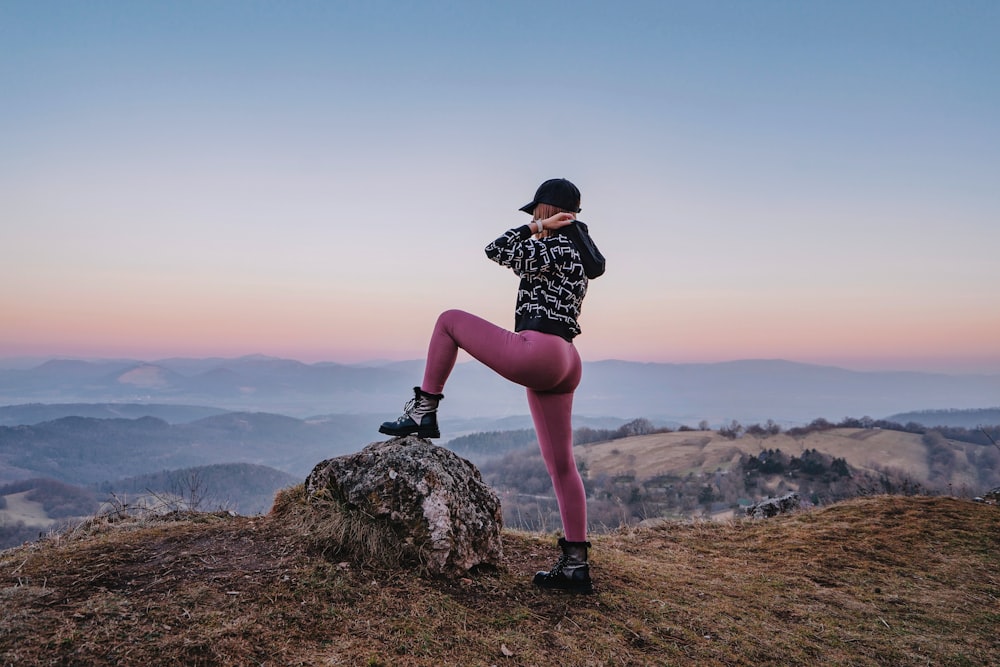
(549, 367)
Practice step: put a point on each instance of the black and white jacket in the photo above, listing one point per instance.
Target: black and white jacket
(553, 281)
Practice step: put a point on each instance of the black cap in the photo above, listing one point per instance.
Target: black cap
(557, 192)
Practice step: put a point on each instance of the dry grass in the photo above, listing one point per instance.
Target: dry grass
(876, 581)
(331, 530)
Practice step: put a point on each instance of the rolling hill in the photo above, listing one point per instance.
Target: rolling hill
(683, 452)
(35, 413)
(83, 450)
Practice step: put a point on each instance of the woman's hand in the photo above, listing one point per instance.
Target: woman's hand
(558, 220)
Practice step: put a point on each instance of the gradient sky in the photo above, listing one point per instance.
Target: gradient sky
(815, 181)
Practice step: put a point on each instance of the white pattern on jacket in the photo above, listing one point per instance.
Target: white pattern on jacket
(553, 282)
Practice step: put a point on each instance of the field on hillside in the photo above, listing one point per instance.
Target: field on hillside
(874, 582)
(29, 512)
(683, 452)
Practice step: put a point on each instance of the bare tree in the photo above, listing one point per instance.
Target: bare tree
(989, 437)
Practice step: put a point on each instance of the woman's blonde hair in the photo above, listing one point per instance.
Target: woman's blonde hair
(543, 211)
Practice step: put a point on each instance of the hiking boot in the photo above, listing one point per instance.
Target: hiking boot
(419, 417)
(571, 572)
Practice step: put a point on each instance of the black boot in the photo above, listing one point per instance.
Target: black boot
(571, 572)
(419, 417)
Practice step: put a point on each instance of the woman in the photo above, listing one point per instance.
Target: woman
(554, 257)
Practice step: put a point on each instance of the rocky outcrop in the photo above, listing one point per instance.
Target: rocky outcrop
(990, 498)
(774, 506)
(432, 502)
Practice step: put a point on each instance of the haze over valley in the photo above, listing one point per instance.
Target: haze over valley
(751, 391)
(231, 432)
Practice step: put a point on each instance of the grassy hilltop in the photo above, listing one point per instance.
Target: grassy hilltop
(875, 581)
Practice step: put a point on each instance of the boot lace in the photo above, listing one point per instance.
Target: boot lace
(557, 569)
(407, 411)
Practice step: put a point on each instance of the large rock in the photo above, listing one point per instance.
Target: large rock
(774, 506)
(433, 501)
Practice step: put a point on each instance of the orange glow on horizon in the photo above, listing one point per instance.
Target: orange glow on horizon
(339, 324)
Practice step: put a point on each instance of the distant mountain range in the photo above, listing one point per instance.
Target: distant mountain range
(35, 413)
(87, 451)
(749, 391)
(970, 419)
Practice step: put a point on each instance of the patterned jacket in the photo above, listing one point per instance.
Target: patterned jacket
(553, 282)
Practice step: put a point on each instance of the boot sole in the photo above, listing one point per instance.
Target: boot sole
(582, 589)
(399, 433)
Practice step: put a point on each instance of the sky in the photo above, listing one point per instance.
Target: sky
(814, 181)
